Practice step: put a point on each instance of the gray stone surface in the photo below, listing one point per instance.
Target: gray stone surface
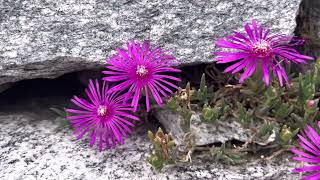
(47, 38)
(207, 133)
(35, 147)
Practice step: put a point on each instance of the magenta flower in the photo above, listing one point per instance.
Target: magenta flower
(257, 48)
(311, 144)
(140, 68)
(104, 116)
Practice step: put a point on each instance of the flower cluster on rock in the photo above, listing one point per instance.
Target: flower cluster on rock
(107, 115)
(141, 71)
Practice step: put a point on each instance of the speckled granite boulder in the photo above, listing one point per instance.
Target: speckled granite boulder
(47, 38)
(33, 148)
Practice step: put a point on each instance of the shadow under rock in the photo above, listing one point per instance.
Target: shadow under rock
(36, 96)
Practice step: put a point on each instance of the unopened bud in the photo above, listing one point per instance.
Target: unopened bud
(311, 103)
(160, 133)
(286, 134)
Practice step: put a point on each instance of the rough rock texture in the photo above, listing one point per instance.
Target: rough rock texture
(35, 148)
(204, 133)
(47, 38)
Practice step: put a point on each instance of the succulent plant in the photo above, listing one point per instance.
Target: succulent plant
(186, 115)
(211, 114)
(244, 116)
(184, 96)
(273, 113)
(162, 152)
(265, 130)
(286, 135)
(202, 93)
(228, 157)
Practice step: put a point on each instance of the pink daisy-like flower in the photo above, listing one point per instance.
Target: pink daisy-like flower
(258, 47)
(310, 142)
(140, 68)
(105, 116)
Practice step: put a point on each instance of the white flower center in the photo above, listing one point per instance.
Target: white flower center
(102, 111)
(141, 70)
(261, 48)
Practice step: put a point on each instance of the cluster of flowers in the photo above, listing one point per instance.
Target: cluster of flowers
(140, 70)
(108, 113)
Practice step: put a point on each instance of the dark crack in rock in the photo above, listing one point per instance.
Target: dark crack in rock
(308, 26)
(48, 38)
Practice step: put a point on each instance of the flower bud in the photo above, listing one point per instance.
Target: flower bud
(286, 134)
(311, 104)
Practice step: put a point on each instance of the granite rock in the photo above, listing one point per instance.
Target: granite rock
(36, 144)
(47, 38)
(207, 133)
(34, 147)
